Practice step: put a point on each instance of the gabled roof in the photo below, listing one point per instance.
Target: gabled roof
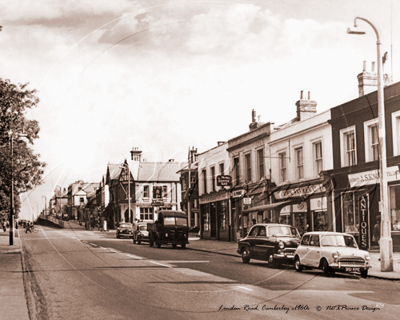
(113, 171)
(159, 171)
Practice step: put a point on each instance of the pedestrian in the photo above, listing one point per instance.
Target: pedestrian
(4, 226)
(29, 226)
(376, 232)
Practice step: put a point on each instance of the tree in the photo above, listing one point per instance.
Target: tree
(26, 168)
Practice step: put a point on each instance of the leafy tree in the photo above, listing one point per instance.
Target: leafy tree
(26, 168)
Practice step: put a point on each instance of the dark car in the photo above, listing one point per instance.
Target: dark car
(141, 233)
(272, 242)
(124, 229)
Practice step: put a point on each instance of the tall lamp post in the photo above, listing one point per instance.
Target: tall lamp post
(45, 204)
(386, 245)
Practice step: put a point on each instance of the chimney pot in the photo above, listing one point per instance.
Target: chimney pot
(364, 66)
(301, 95)
(309, 95)
(373, 66)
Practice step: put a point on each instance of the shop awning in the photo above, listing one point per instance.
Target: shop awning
(272, 205)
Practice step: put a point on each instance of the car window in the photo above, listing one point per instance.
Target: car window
(338, 241)
(253, 232)
(305, 241)
(295, 232)
(279, 231)
(262, 232)
(314, 240)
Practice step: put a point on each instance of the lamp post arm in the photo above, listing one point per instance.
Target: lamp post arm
(378, 36)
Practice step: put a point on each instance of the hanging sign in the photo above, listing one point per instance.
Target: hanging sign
(246, 200)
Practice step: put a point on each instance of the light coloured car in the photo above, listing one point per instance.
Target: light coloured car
(124, 229)
(141, 233)
(331, 252)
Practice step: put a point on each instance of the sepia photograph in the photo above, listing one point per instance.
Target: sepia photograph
(195, 159)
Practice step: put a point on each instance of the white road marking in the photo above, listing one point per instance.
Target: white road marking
(164, 265)
(133, 256)
(245, 288)
(183, 261)
(93, 245)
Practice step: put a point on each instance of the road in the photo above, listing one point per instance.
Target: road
(78, 274)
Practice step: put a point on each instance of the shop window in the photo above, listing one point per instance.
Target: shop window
(395, 208)
(282, 166)
(371, 140)
(350, 215)
(223, 215)
(299, 163)
(146, 213)
(318, 164)
(348, 147)
(260, 158)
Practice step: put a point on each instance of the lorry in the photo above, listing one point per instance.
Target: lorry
(171, 227)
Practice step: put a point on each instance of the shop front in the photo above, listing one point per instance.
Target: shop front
(215, 216)
(307, 206)
(359, 206)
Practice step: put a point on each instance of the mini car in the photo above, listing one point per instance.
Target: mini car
(272, 242)
(141, 233)
(124, 229)
(331, 252)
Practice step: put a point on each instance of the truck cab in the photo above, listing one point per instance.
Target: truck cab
(171, 227)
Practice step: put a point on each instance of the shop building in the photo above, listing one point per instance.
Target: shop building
(250, 172)
(214, 200)
(356, 171)
(301, 153)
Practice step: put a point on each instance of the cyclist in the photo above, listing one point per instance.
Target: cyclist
(29, 227)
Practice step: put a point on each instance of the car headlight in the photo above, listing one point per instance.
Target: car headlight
(166, 235)
(281, 245)
(335, 255)
(367, 257)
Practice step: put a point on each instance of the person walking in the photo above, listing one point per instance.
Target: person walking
(29, 226)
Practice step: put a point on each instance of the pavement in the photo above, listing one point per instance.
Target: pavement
(13, 300)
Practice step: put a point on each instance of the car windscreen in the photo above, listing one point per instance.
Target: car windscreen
(125, 225)
(143, 228)
(172, 221)
(338, 241)
(279, 231)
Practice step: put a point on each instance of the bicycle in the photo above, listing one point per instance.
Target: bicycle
(32, 230)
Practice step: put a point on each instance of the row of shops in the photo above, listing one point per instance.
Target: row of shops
(340, 202)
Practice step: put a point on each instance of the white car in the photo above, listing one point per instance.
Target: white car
(331, 252)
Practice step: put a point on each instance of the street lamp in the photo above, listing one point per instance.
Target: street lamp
(11, 217)
(386, 245)
(45, 204)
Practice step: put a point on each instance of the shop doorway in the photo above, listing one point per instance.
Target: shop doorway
(213, 218)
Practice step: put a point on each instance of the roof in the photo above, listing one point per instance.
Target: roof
(159, 171)
(114, 170)
(86, 187)
(172, 213)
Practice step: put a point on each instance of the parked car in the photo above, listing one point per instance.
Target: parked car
(65, 217)
(331, 252)
(141, 233)
(124, 229)
(272, 242)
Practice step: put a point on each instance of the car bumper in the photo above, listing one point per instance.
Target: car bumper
(342, 267)
(284, 256)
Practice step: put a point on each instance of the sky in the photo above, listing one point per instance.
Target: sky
(164, 76)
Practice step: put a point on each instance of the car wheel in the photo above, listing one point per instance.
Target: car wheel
(297, 265)
(139, 242)
(183, 245)
(134, 240)
(151, 243)
(245, 256)
(364, 273)
(118, 236)
(328, 271)
(271, 261)
(158, 244)
(174, 246)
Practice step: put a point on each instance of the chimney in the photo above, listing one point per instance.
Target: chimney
(171, 160)
(220, 142)
(305, 108)
(367, 81)
(193, 154)
(136, 154)
(254, 124)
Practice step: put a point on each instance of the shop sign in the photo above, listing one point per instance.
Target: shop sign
(224, 180)
(214, 197)
(246, 200)
(300, 191)
(237, 193)
(364, 234)
(372, 177)
(285, 211)
(301, 207)
(318, 204)
(157, 203)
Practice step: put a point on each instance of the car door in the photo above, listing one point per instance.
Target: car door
(302, 250)
(261, 243)
(251, 240)
(314, 253)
